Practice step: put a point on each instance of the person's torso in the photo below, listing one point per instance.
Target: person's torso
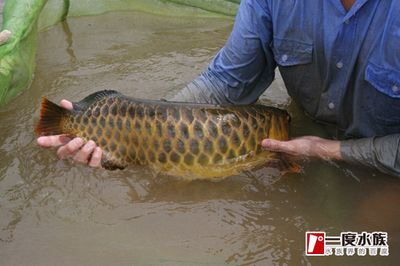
(342, 67)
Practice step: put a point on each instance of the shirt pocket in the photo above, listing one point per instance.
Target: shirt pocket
(294, 59)
(386, 83)
(290, 53)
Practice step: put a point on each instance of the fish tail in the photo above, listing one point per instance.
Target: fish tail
(51, 116)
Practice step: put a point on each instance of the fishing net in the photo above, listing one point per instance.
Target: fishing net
(22, 19)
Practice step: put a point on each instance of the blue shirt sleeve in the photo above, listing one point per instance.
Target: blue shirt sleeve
(244, 67)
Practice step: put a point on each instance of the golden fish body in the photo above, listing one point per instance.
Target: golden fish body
(183, 139)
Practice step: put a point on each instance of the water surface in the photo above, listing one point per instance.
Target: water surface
(58, 213)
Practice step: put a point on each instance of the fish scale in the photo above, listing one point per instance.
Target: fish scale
(183, 139)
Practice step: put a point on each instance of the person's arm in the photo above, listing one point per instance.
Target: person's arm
(244, 67)
(381, 153)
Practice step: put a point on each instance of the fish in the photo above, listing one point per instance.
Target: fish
(190, 140)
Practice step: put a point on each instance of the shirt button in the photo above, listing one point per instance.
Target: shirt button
(284, 57)
(331, 106)
(339, 64)
(395, 88)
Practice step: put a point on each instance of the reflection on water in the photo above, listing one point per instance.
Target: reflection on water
(54, 212)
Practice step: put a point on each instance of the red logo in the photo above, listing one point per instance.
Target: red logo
(315, 243)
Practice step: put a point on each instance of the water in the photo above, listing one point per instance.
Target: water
(58, 213)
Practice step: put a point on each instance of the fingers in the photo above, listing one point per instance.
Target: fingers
(66, 104)
(70, 148)
(279, 146)
(95, 161)
(80, 152)
(83, 155)
(52, 141)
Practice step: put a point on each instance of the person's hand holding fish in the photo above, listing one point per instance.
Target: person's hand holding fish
(86, 153)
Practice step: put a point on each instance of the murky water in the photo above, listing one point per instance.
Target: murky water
(57, 213)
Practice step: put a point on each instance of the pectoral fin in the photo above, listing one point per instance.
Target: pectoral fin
(109, 162)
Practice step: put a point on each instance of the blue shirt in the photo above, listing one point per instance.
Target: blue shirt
(342, 67)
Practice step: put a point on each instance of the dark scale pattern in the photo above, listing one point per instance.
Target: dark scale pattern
(201, 115)
(96, 112)
(235, 139)
(242, 150)
(108, 133)
(217, 158)
(161, 114)
(123, 108)
(188, 159)
(222, 144)
(184, 130)
(90, 130)
(245, 131)
(119, 123)
(194, 146)
(159, 129)
(150, 113)
(174, 157)
(174, 113)
(114, 109)
(198, 130)
(138, 127)
(140, 112)
(104, 111)
(103, 143)
(162, 158)
(203, 159)
(102, 122)
(180, 146)
(187, 115)
(212, 129)
(142, 156)
(126, 138)
(117, 136)
(85, 120)
(128, 125)
(156, 144)
(171, 129)
(226, 128)
(111, 122)
(131, 111)
(208, 146)
(167, 146)
(113, 146)
(148, 127)
(99, 131)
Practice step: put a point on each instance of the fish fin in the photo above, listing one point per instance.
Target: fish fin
(94, 97)
(284, 163)
(110, 163)
(50, 119)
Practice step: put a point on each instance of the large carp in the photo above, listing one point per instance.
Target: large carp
(179, 138)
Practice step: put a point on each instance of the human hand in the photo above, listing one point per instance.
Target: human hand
(81, 152)
(307, 146)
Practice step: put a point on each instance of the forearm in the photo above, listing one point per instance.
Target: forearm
(206, 88)
(382, 153)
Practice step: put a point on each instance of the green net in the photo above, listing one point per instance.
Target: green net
(22, 19)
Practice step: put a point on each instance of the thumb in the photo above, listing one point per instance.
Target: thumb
(272, 144)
